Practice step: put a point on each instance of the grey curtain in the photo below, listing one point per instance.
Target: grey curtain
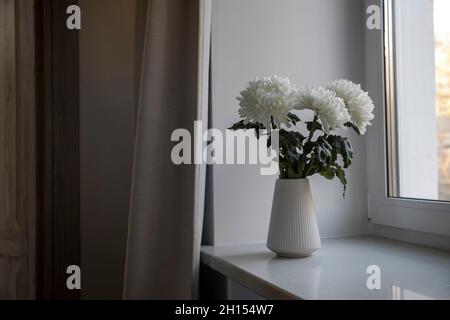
(166, 208)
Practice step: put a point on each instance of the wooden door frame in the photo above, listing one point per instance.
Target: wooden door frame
(58, 150)
(18, 150)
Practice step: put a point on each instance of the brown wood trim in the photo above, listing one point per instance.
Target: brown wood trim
(58, 231)
(26, 142)
(44, 260)
(17, 150)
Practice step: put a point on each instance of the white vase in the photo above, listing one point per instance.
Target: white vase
(293, 230)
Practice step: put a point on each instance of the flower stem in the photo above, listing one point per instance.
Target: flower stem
(303, 161)
(273, 123)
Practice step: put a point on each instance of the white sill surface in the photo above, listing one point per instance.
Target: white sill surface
(337, 271)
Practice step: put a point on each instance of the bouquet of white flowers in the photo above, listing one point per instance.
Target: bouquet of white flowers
(269, 103)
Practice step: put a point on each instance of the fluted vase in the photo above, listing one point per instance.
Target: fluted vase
(293, 230)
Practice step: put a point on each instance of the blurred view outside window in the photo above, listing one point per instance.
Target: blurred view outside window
(419, 145)
(442, 53)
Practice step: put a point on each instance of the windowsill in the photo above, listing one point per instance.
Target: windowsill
(337, 271)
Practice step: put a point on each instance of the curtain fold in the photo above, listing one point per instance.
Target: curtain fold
(166, 209)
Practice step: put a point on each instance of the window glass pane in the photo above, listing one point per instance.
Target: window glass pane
(419, 152)
(442, 38)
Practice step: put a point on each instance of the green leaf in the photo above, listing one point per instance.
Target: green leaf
(328, 173)
(293, 117)
(353, 126)
(308, 147)
(241, 125)
(342, 147)
(237, 126)
(295, 139)
(323, 151)
(340, 173)
(313, 126)
(346, 152)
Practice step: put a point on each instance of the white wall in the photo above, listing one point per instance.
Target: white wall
(311, 42)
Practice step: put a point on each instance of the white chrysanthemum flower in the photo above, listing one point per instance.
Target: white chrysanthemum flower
(359, 104)
(266, 99)
(330, 108)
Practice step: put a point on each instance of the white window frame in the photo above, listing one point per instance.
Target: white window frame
(417, 215)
